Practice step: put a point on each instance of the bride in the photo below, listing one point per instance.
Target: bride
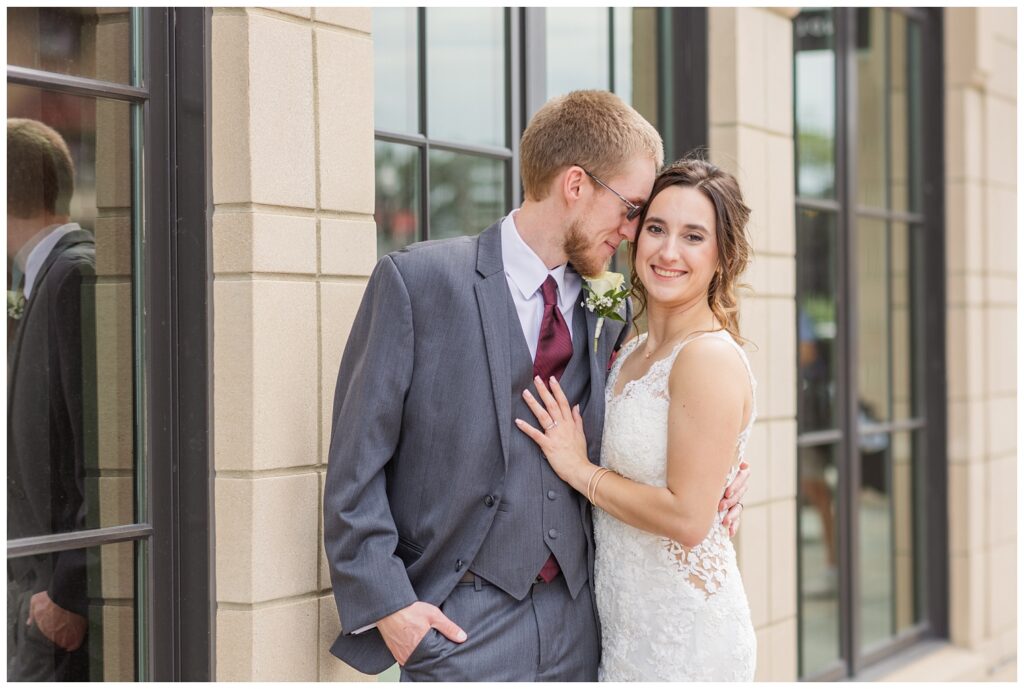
(680, 406)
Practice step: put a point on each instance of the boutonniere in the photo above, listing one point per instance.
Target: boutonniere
(15, 303)
(605, 295)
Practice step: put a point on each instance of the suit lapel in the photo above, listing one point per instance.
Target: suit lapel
(593, 418)
(492, 300)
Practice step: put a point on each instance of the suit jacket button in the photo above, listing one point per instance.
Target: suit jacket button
(552, 495)
(458, 565)
(489, 501)
(553, 533)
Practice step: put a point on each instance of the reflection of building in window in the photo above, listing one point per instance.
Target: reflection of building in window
(87, 353)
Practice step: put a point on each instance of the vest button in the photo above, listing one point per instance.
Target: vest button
(552, 495)
(553, 533)
(489, 501)
(458, 565)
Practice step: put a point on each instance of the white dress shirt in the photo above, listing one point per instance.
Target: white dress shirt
(526, 273)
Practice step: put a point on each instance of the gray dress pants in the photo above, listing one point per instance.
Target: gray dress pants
(547, 637)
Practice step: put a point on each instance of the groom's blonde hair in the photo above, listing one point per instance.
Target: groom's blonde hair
(596, 130)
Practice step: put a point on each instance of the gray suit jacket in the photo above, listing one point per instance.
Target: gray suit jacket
(422, 424)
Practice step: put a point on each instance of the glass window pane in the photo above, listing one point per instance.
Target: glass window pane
(908, 537)
(578, 50)
(871, 139)
(819, 574)
(396, 89)
(82, 605)
(886, 535)
(905, 114)
(623, 46)
(70, 432)
(92, 42)
(873, 326)
(817, 323)
(398, 205)
(907, 252)
(815, 65)
(467, 193)
(466, 84)
(636, 59)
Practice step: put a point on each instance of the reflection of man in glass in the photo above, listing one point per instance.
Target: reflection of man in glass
(49, 259)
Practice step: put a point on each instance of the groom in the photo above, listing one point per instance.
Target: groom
(453, 547)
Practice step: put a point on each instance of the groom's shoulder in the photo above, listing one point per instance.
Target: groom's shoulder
(431, 259)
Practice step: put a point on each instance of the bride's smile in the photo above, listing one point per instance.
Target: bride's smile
(677, 250)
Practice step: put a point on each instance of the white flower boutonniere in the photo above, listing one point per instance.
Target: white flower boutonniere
(15, 303)
(605, 295)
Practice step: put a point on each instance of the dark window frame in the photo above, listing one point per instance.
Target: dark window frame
(424, 143)
(179, 372)
(930, 420)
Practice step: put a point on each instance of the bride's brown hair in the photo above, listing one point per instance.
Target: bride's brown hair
(731, 215)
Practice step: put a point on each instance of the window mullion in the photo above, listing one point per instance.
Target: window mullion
(421, 30)
(849, 470)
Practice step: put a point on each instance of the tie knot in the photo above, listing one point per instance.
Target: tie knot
(550, 291)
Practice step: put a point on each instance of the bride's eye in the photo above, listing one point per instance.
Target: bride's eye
(695, 237)
(655, 229)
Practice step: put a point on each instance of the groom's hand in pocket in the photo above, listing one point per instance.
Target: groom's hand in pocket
(404, 629)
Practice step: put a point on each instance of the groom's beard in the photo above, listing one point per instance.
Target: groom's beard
(583, 256)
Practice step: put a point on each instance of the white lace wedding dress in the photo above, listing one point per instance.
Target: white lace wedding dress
(667, 612)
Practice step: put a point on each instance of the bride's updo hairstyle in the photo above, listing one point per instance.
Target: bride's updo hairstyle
(731, 216)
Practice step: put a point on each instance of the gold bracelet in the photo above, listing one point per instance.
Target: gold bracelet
(593, 496)
(597, 471)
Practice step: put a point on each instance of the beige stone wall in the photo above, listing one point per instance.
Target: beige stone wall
(293, 245)
(751, 112)
(981, 250)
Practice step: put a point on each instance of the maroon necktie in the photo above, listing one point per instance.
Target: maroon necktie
(554, 349)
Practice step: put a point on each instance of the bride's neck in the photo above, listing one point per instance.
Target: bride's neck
(671, 323)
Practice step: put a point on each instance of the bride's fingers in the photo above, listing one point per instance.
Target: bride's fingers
(533, 433)
(540, 412)
(549, 401)
(577, 417)
(563, 403)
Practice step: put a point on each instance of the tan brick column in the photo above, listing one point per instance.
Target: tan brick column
(981, 249)
(293, 244)
(750, 94)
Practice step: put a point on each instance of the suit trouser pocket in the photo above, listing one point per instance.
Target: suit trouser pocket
(425, 662)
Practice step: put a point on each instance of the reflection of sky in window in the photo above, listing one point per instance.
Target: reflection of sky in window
(815, 116)
(466, 79)
(577, 49)
(396, 85)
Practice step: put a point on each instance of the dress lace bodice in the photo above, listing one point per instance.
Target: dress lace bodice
(667, 611)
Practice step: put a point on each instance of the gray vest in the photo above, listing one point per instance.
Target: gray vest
(538, 514)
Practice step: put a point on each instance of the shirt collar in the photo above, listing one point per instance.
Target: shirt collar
(525, 269)
(37, 256)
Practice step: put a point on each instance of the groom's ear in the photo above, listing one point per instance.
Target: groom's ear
(571, 184)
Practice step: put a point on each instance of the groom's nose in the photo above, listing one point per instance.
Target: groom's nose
(627, 230)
